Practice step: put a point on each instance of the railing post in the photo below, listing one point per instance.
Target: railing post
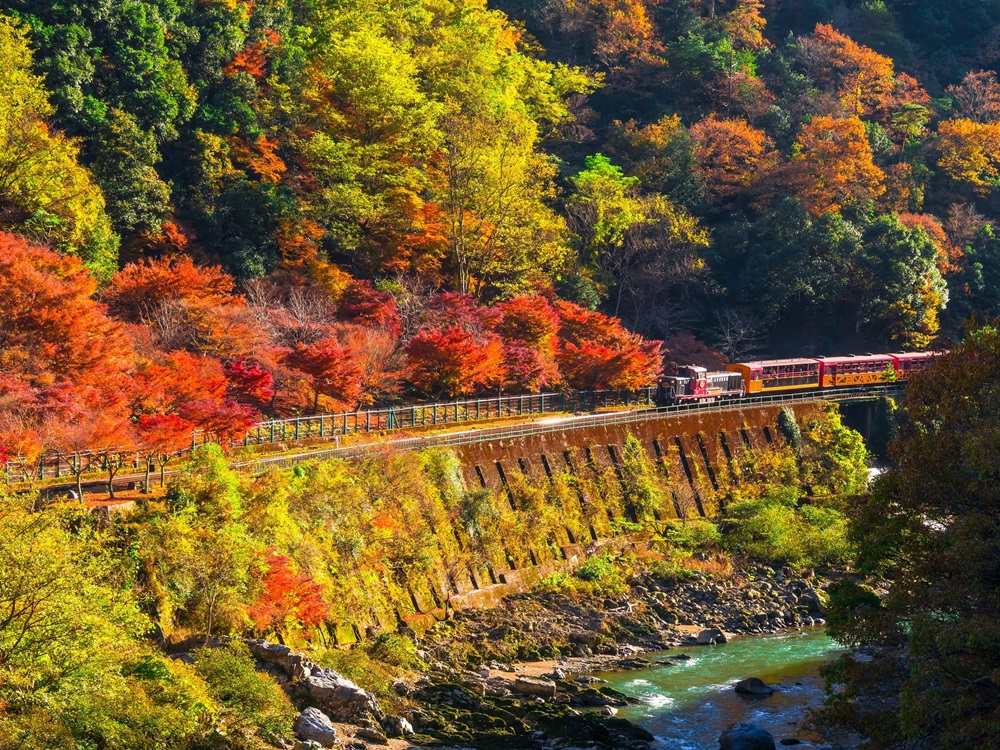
(296, 428)
(368, 421)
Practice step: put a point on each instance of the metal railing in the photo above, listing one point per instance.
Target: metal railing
(523, 430)
(413, 416)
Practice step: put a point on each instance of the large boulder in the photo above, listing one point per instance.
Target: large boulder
(339, 697)
(711, 636)
(813, 600)
(294, 665)
(753, 686)
(313, 724)
(534, 687)
(744, 736)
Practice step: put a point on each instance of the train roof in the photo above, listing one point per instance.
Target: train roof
(757, 364)
(856, 358)
(776, 362)
(917, 355)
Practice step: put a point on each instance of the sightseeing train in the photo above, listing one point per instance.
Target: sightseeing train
(694, 384)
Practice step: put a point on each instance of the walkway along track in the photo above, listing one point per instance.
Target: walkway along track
(521, 430)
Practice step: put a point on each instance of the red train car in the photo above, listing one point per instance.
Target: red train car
(844, 372)
(907, 363)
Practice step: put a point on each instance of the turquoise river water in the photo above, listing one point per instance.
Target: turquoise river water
(687, 704)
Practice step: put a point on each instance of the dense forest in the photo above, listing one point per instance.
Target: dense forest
(217, 208)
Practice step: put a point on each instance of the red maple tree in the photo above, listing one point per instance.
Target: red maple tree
(596, 352)
(454, 362)
(328, 369)
(287, 597)
(249, 383)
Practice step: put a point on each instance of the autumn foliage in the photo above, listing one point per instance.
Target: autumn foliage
(595, 352)
(262, 224)
(454, 362)
(730, 154)
(833, 165)
(288, 599)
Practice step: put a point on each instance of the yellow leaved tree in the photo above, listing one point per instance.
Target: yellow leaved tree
(44, 192)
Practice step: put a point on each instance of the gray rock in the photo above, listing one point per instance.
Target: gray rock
(397, 726)
(609, 710)
(372, 735)
(710, 637)
(744, 736)
(812, 600)
(340, 698)
(753, 686)
(268, 651)
(534, 687)
(313, 724)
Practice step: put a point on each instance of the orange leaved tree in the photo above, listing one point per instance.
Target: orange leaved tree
(832, 165)
(730, 154)
(288, 597)
(596, 352)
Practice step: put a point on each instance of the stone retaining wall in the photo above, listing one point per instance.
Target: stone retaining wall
(694, 453)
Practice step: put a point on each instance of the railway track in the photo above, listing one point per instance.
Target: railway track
(521, 430)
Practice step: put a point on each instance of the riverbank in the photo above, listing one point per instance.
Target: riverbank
(653, 613)
(522, 675)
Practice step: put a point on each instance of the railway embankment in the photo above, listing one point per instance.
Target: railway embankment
(546, 503)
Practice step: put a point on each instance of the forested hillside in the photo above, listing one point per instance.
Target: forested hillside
(214, 209)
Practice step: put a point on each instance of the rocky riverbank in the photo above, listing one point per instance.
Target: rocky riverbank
(518, 676)
(655, 614)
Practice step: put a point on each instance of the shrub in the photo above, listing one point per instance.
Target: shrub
(253, 700)
(397, 650)
(605, 574)
(643, 491)
(692, 536)
(559, 582)
(788, 426)
(773, 529)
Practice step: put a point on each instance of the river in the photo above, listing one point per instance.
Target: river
(688, 704)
